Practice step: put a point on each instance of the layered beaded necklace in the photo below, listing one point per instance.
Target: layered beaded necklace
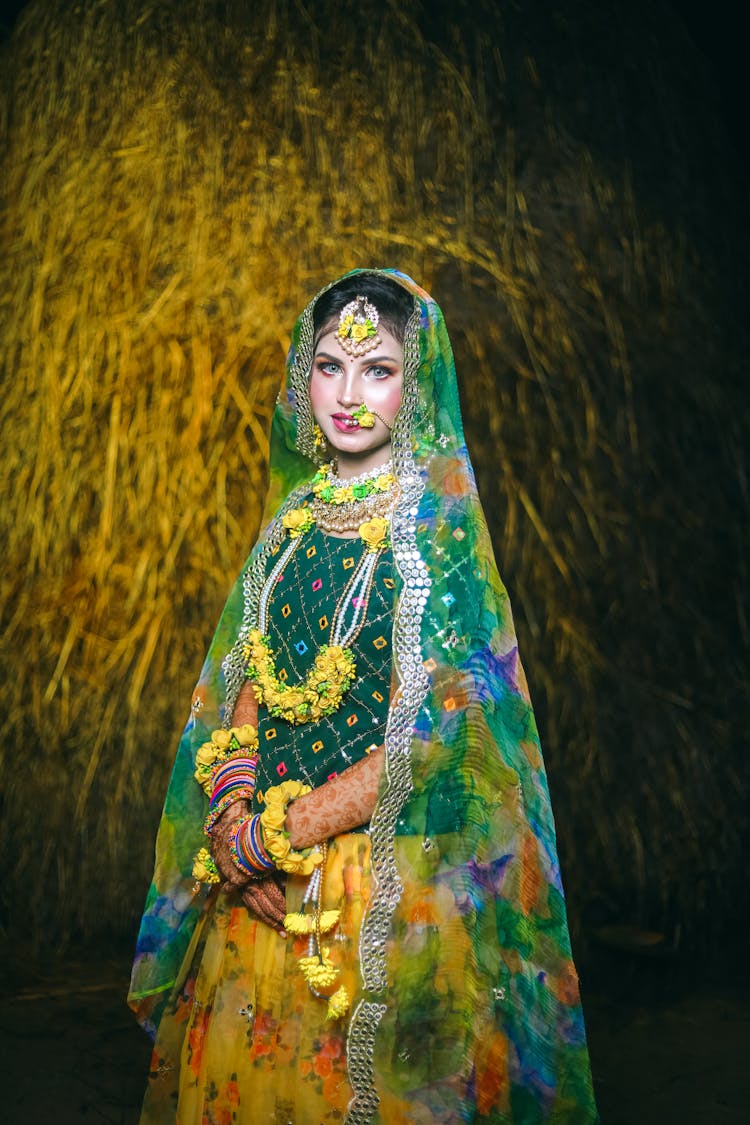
(360, 504)
(340, 505)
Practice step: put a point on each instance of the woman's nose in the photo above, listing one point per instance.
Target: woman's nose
(349, 390)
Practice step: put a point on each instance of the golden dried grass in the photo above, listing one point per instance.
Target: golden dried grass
(178, 180)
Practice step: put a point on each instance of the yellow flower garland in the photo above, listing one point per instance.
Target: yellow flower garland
(320, 693)
(347, 493)
(223, 745)
(204, 868)
(338, 1004)
(275, 838)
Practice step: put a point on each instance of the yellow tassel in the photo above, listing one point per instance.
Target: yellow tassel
(319, 972)
(305, 923)
(338, 1004)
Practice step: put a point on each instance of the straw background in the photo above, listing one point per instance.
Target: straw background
(178, 179)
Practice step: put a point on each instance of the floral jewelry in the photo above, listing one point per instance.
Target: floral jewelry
(357, 332)
(225, 770)
(223, 745)
(298, 521)
(341, 505)
(364, 416)
(204, 869)
(321, 692)
(275, 837)
(317, 967)
(319, 438)
(331, 489)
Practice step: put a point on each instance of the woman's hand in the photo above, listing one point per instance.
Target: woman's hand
(265, 899)
(222, 835)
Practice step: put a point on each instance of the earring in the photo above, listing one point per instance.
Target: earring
(319, 439)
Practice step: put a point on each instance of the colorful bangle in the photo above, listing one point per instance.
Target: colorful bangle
(275, 836)
(233, 780)
(246, 847)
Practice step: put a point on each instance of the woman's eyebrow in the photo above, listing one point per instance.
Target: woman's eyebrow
(370, 359)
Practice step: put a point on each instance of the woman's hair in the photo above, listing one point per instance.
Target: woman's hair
(394, 303)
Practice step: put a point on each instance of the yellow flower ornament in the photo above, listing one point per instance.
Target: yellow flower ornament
(338, 1004)
(275, 838)
(319, 694)
(365, 417)
(319, 972)
(204, 868)
(222, 746)
(330, 493)
(374, 533)
(357, 331)
(299, 924)
(297, 522)
(207, 754)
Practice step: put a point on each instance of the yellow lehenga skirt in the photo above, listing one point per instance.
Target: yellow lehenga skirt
(243, 1040)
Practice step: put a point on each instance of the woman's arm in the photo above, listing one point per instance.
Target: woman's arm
(264, 898)
(340, 805)
(246, 707)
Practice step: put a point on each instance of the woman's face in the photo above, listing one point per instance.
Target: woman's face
(340, 383)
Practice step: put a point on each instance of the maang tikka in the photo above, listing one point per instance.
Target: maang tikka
(357, 332)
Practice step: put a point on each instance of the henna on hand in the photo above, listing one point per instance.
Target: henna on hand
(245, 711)
(222, 834)
(340, 805)
(267, 901)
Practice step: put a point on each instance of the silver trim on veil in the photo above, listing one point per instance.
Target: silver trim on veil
(402, 715)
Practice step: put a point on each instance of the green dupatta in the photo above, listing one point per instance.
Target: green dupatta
(468, 1008)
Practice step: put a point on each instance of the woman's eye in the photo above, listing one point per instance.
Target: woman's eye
(378, 372)
(329, 368)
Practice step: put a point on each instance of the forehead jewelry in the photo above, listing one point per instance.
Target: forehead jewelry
(358, 327)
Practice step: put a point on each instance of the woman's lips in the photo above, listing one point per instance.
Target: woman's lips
(344, 423)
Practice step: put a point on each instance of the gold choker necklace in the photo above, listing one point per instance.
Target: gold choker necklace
(343, 504)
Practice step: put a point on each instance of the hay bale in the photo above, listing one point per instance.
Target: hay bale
(178, 180)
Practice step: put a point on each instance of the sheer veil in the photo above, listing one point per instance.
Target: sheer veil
(468, 1005)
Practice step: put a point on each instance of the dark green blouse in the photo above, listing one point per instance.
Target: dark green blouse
(300, 613)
